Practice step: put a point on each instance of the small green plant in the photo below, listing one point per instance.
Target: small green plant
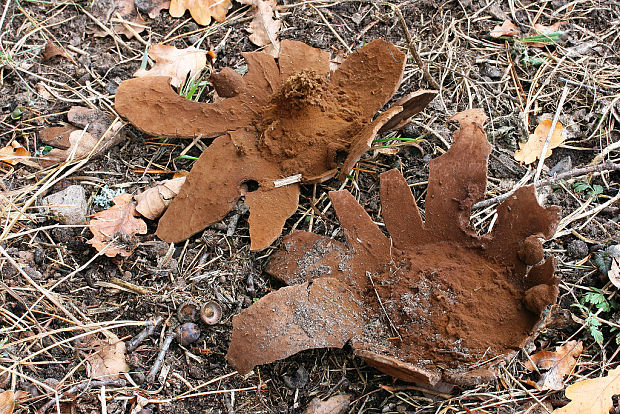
(377, 143)
(194, 87)
(593, 303)
(589, 190)
(42, 151)
(602, 258)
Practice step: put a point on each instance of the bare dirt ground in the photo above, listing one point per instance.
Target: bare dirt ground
(55, 289)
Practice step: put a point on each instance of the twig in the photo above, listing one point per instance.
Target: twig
(372, 282)
(242, 208)
(413, 49)
(543, 153)
(605, 167)
(144, 333)
(82, 387)
(150, 378)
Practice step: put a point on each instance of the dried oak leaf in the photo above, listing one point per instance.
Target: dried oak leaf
(201, 10)
(263, 28)
(51, 50)
(106, 359)
(528, 152)
(114, 229)
(278, 120)
(592, 396)
(73, 142)
(507, 28)
(338, 404)
(426, 306)
(107, 10)
(7, 400)
(14, 153)
(153, 202)
(175, 63)
(557, 365)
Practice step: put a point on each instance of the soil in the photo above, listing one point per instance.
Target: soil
(473, 70)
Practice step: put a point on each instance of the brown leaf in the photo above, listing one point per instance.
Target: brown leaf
(263, 28)
(507, 28)
(117, 225)
(14, 153)
(201, 10)
(557, 365)
(176, 63)
(106, 359)
(530, 151)
(281, 119)
(152, 7)
(107, 10)
(542, 29)
(51, 51)
(7, 400)
(423, 317)
(592, 396)
(103, 132)
(338, 404)
(153, 202)
(614, 273)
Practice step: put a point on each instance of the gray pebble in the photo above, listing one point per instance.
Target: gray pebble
(577, 249)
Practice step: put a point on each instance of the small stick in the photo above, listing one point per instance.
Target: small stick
(413, 49)
(242, 208)
(81, 387)
(145, 333)
(372, 282)
(543, 153)
(604, 167)
(150, 378)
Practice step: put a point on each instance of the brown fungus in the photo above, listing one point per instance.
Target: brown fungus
(279, 120)
(430, 304)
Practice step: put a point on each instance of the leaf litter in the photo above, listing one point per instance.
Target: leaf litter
(281, 119)
(408, 311)
(114, 229)
(175, 63)
(531, 150)
(592, 396)
(557, 364)
(264, 28)
(201, 10)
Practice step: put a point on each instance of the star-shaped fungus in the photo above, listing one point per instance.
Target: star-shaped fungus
(281, 119)
(431, 303)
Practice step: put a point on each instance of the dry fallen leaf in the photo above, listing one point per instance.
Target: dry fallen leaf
(592, 396)
(263, 28)
(102, 133)
(153, 202)
(507, 28)
(201, 10)
(14, 153)
(557, 365)
(614, 273)
(107, 10)
(410, 312)
(51, 51)
(338, 404)
(176, 63)
(117, 225)
(528, 152)
(542, 29)
(7, 400)
(281, 119)
(106, 359)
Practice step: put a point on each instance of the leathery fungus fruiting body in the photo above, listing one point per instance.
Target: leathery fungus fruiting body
(281, 119)
(431, 303)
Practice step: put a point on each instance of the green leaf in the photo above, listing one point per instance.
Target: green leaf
(580, 186)
(596, 334)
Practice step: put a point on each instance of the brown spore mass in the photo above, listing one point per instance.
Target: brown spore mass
(436, 302)
(282, 118)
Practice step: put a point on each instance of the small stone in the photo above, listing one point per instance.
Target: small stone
(577, 249)
(69, 204)
(564, 165)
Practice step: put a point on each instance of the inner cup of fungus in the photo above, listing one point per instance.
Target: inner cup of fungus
(433, 303)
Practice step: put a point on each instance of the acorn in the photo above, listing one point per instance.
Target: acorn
(187, 312)
(188, 333)
(211, 313)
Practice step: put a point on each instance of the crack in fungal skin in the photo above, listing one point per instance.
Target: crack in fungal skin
(429, 304)
(280, 119)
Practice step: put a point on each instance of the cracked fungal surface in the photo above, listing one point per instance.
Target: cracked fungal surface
(279, 120)
(431, 303)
